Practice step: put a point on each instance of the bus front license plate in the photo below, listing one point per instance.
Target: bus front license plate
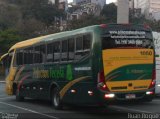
(130, 96)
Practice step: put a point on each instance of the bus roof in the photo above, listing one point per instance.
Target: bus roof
(70, 33)
(3, 56)
(27, 42)
(50, 37)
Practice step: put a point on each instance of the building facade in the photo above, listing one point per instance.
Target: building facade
(150, 8)
(86, 7)
(97, 2)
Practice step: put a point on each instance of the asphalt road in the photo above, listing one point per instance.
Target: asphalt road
(38, 109)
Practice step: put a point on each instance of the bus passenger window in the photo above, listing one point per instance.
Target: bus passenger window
(49, 57)
(64, 56)
(25, 53)
(79, 48)
(86, 44)
(56, 50)
(30, 55)
(71, 49)
(79, 43)
(19, 57)
(42, 53)
(37, 54)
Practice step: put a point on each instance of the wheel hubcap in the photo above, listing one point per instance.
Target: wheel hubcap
(56, 99)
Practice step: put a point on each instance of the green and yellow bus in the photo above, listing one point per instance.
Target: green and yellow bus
(91, 65)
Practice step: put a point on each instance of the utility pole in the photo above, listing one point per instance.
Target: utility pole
(123, 12)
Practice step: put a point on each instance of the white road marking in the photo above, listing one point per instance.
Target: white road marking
(5, 98)
(129, 109)
(32, 111)
(2, 81)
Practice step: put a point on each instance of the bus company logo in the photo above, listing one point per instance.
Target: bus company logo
(8, 116)
(53, 73)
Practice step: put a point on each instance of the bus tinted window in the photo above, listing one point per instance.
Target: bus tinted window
(56, 50)
(71, 46)
(25, 54)
(19, 57)
(86, 42)
(49, 56)
(64, 56)
(37, 55)
(28, 56)
(42, 53)
(83, 44)
(79, 43)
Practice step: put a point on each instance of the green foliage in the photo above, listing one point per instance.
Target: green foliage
(110, 12)
(7, 39)
(9, 15)
(25, 19)
(41, 10)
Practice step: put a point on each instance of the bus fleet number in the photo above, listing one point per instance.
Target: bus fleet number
(146, 52)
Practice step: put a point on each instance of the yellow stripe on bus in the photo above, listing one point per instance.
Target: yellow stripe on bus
(118, 86)
(71, 83)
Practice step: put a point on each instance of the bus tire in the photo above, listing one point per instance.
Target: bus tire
(19, 98)
(55, 98)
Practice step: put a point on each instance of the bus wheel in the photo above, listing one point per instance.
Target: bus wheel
(56, 101)
(19, 98)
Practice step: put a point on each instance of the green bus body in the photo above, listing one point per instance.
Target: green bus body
(76, 79)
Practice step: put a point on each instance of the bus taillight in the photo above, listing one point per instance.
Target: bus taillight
(153, 79)
(103, 25)
(107, 96)
(101, 81)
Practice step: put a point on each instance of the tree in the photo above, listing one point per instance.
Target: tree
(30, 28)
(41, 10)
(7, 39)
(110, 12)
(9, 15)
